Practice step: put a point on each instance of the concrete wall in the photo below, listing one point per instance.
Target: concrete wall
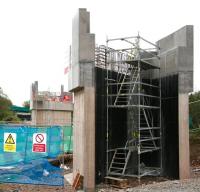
(49, 109)
(51, 117)
(51, 105)
(176, 59)
(81, 83)
(51, 113)
(83, 51)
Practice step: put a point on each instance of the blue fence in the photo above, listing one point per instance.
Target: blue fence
(26, 165)
(24, 143)
(37, 172)
(68, 139)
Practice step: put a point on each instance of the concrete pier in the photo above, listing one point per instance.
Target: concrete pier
(81, 83)
(176, 53)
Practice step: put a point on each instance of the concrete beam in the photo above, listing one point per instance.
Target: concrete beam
(51, 105)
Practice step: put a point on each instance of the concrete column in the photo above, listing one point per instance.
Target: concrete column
(78, 133)
(81, 82)
(84, 136)
(184, 151)
(89, 139)
(176, 53)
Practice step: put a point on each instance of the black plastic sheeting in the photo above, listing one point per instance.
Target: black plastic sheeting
(118, 128)
(169, 106)
(117, 125)
(100, 133)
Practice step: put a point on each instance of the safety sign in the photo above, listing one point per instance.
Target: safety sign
(39, 142)
(10, 140)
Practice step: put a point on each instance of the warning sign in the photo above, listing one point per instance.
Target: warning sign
(39, 142)
(10, 142)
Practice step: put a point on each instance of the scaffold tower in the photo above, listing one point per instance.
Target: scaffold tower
(133, 85)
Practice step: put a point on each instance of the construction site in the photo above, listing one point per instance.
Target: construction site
(123, 123)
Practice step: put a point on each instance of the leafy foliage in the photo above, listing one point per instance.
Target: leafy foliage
(5, 113)
(195, 109)
(26, 104)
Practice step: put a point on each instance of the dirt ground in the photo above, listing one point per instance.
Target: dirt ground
(145, 184)
(28, 188)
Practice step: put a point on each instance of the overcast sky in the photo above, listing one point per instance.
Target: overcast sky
(35, 35)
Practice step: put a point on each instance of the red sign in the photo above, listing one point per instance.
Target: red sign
(39, 142)
(39, 148)
(39, 138)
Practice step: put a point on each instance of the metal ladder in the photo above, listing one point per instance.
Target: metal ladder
(147, 137)
(126, 85)
(119, 161)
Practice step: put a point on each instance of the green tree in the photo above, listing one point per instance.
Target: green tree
(194, 108)
(5, 113)
(26, 104)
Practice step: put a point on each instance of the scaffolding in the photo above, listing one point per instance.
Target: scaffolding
(133, 87)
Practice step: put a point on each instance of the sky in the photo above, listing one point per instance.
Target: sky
(35, 35)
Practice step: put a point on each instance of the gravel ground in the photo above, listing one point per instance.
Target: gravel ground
(190, 185)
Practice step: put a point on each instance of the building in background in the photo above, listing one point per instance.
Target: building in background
(23, 113)
(50, 108)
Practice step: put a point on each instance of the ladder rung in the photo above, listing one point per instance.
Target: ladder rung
(134, 83)
(115, 172)
(119, 158)
(118, 163)
(149, 150)
(117, 168)
(148, 128)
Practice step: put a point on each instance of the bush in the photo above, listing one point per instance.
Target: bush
(5, 113)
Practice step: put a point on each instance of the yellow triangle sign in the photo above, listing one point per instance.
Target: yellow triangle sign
(10, 139)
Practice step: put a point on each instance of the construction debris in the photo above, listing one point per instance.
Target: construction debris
(120, 183)
(78, 181)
